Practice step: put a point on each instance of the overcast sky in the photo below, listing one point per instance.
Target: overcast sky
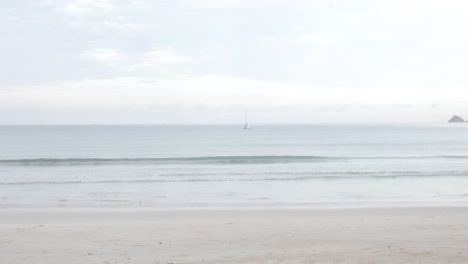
(207, 61)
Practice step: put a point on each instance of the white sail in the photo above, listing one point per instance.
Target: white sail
(246, 123)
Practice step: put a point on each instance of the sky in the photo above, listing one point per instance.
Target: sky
(210, 61)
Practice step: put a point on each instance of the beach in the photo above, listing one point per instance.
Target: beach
(371, 235)
(220, 194)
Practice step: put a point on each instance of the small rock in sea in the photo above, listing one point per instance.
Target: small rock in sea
(456, 119)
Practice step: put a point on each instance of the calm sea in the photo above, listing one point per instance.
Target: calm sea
(226, 166)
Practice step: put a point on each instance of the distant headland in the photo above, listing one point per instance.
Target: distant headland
(456, 119)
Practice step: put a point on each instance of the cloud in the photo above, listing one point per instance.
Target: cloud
(240, 53)
(216, 91)
(217, 99)
(104, 15)
(315, 38)
(215, 3)
(161, 56)
(82, 7)
(134, 62)
(102, 54)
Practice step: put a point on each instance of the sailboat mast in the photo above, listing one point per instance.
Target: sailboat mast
(246, 124)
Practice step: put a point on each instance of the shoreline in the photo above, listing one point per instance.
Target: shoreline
(241, 207)
(247, 208)
(359, 235)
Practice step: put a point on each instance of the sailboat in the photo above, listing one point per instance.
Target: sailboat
(246, 124)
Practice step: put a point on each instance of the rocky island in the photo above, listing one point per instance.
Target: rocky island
(456, 119)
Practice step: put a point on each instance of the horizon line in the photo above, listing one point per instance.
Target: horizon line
(227, 124)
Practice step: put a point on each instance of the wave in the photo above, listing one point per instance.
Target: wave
(178, 160)
(203, 160)
(253, 178)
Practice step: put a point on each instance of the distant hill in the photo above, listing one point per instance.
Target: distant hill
(456, 119)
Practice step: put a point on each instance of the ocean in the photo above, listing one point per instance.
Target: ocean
(211, 166)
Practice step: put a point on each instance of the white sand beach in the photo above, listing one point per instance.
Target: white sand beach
(381, 235)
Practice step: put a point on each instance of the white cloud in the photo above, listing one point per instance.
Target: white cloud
(420, 6)
(218, 91)
(215, 3)
(79, 7)
(102, 54)
(157, 57)
(104, 15)
(121, 24)
(316, 38)
(259, 53)
(222, 99)
(161, 56)
(133, 63)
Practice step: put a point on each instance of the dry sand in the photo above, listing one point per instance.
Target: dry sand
(411, 235)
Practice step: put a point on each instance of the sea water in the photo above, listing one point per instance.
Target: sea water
(316, 166)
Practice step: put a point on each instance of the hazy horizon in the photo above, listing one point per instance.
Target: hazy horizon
(240, 124)
(207, 61)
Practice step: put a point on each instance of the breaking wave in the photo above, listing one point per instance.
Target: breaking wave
(244, 177)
